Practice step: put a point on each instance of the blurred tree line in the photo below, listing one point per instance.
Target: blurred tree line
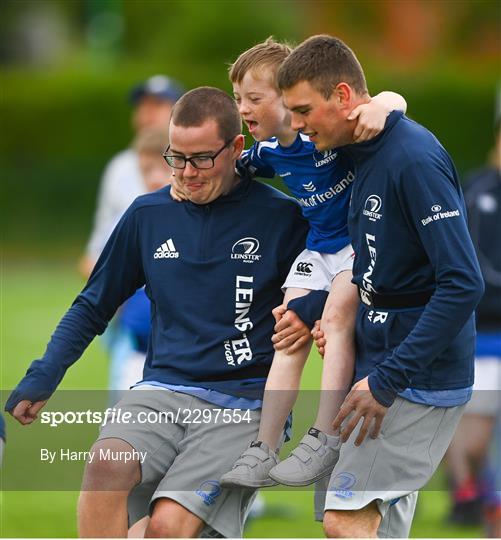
(67, 67)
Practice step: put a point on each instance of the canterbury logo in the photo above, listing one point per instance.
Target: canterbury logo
(166, 251)
(310, 186)
(304, 267)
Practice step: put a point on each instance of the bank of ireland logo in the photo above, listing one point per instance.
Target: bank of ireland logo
(372, 207)
(209, 490)
(246, 250)
(436, 208)
(341, 485)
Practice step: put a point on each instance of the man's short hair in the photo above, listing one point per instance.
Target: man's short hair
(324, 62)
(266, 55)
(207, 103)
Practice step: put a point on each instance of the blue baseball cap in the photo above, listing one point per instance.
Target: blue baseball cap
(159, 86)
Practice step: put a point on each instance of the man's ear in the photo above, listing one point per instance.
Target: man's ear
(238, 146)
(343, 94)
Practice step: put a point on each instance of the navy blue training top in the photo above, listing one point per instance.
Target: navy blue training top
(408, 227)
(320, 181)
(213, 274)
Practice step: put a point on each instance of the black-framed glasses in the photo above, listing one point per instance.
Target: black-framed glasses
(199, 162)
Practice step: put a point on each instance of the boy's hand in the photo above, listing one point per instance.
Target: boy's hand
(26, 412)
(372, 116)
(318, 336)
(176, 191)
(371, 119)
(290, 331)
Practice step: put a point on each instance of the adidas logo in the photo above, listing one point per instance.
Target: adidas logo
(166, 251)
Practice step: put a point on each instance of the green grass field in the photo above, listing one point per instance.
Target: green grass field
(33, 296)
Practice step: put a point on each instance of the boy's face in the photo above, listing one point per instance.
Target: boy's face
(154, 170)
(260, 105)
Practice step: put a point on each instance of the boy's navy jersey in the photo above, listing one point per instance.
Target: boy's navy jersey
(213, 274)
(320, 181)
(409, 233)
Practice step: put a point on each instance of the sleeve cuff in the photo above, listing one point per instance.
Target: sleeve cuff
(382, 395)
(309, 308)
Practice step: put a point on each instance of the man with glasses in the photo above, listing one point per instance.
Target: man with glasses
(213, 269)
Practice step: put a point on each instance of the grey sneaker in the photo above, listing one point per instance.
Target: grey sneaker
(310, 461)
(252, 467)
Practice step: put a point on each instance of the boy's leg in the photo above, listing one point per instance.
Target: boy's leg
(318, 451)
(338, 325)
(282, 387)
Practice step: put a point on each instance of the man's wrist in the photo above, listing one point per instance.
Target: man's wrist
(382, 395)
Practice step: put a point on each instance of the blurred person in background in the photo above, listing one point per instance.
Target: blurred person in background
(476, 480)
(122, 181)
(132, 172)
(133, 323)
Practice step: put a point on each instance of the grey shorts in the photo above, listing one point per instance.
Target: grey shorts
(392, 468)
(186, 456)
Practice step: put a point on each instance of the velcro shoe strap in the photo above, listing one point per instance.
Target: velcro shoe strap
(249, 461)
(302, 454)
(256, 452)
(312, 442)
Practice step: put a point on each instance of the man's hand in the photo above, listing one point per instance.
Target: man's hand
(290, 331)
(176, 190)
(361, 402)
(318, 336)
(26, 412)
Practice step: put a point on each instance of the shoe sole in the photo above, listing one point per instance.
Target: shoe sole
(300, 483)
(240, 483)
